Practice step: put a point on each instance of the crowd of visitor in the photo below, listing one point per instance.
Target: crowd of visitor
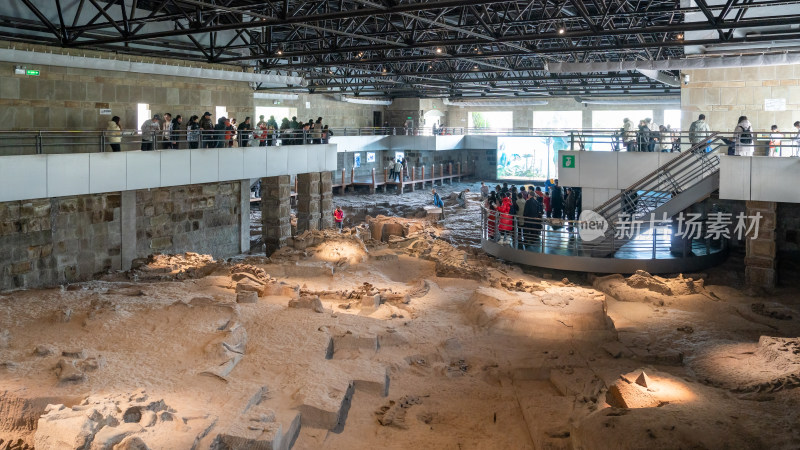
(532, 207)
(167, 132)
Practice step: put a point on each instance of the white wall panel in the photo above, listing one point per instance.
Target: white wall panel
(231, 161)
(569, 177)
(633, 166)
(480, 142)
(67, 174)
(597, 169)
(254, 160)
(277, 160)
(775, 179)
(413, 142)
(143, 170)
(360, 143)
(734, 178)
(23, 177)
(331, 162)
(107, 172)
(297, 160)
(175, 167)
(205, 165)
(449, 142)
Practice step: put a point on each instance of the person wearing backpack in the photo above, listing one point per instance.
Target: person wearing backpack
(743, 137)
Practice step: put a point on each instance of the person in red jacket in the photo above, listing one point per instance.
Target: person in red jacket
(338, 217)
(506, 219)
(548, 209)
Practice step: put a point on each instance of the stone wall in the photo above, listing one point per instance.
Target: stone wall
(334, 113)
(725, 94)
(202, 218)
(64, 98)
(46, 242)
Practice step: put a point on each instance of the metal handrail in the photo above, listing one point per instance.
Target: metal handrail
(41, 141)
(544, 235)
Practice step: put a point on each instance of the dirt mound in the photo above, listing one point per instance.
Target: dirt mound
(644, 287)
(771, 365)
(166, 267)
(119, 421)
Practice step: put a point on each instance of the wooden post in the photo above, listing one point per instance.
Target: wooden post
(450, 171)
(400, 186)
(372, 186)
(458, 169)
(423, 176)
(344, 183)
(352, 179)
(385, 179)
(295, 184)
(413, 178)
(441, 174)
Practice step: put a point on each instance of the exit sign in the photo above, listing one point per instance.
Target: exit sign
(34, 73)
(568, 161)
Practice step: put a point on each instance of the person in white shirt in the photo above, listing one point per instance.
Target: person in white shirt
(743, 137)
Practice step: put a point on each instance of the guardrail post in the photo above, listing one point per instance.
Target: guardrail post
(572, 141)
(514, 239)
(102, 141)
(655, 239)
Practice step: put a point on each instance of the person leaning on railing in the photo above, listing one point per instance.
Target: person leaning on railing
(193, 131)
(149, 128)
(114, 134)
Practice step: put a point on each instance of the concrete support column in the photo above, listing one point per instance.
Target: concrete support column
(128, 229)
(308, 201)
(244, 215)
(760, 260)
(275, 211)
(326, 200)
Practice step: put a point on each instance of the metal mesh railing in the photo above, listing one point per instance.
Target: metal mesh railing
(562, 237)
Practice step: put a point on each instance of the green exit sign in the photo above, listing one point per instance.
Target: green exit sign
(34, 73)
(568, 161)
(409, 118)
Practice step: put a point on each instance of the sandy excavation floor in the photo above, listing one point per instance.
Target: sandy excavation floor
(346, 342)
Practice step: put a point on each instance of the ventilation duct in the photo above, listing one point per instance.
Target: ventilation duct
(520, 102)
(706, 62)
(82, 62)
(366, 101)
(602, 101)
(662, 77)
(271, 96)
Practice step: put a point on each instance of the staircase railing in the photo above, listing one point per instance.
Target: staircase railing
(667, 181)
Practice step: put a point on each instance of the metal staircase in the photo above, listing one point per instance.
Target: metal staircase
(665, 192)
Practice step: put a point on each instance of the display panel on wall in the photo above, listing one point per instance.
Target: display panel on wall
(530, 158)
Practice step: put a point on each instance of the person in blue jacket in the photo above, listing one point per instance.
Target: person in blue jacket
(437, 201)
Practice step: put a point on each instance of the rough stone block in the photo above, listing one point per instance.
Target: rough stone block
(247, 297)
(760, 277)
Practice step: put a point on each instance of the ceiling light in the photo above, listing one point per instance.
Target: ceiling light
(561, 31)
(679, 36)
(438, 50)
(280, 52)
(384, 70)
(476, 67)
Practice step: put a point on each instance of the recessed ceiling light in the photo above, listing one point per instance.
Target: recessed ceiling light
(438, 50)
(561, 31)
